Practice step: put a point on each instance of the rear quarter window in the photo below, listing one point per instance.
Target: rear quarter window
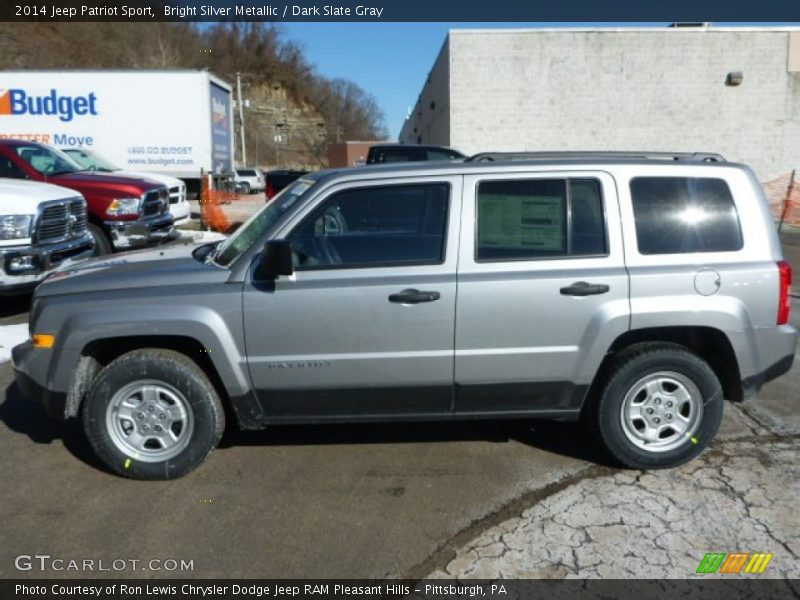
(681, 215)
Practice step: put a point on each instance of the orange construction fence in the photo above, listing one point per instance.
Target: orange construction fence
(224, 210)
(783, 195)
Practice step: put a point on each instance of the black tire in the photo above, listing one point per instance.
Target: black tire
(175, 373)
(102, 245)
(629, 370)
(246, 189)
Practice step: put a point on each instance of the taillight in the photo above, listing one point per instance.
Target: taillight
(785, 302)
(270, 190)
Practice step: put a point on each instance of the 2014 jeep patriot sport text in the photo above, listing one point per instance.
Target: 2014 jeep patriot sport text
(636, 292)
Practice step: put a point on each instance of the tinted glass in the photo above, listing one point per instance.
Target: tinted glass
(255, 227)
(540, 218)
(9, 170)
(47, 161)
(684, 214)
(434, 154)
(389, 155)
(587, 218)
(246, 173)
(392, 225)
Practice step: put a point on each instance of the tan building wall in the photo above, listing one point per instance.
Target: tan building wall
(617, 89)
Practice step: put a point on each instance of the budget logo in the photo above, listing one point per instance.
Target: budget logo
(735, 563)
(66, 108)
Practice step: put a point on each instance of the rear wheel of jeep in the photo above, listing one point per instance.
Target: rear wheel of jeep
(153, 414)
(660, 407)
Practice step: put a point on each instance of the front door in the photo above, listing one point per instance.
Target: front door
(365, 327)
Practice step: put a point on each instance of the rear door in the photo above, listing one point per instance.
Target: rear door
(542, 290)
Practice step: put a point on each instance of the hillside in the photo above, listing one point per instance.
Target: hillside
(288, 100)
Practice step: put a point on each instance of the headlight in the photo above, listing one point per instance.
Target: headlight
(124, 206)
(14, 227)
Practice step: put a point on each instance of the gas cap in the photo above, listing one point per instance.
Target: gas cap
(707, 282)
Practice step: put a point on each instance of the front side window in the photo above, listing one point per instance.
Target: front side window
(375, 226)
(256, 226)
(529, 219)
(676, 215)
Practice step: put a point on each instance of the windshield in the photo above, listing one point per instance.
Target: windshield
(48, 161)
(89, 160)
(244, 237)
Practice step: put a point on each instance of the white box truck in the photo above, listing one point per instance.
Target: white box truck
(177, 123)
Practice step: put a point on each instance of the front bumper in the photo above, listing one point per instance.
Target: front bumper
(24, 362)
(134, 234)
(45, 258)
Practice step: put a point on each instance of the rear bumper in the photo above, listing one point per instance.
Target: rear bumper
(751, 385)
(134, 234)
(44, 259)
(53, 403)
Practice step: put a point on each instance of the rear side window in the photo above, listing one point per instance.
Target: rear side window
(678, 215)
(540, 218)
(435, 154)
(391, 155)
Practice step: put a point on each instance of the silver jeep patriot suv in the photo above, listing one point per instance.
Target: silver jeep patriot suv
(637, 291)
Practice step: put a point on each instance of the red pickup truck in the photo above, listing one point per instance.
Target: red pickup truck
(124, 212)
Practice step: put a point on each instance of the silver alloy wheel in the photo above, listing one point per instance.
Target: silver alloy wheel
(662, 411)
(149, 421)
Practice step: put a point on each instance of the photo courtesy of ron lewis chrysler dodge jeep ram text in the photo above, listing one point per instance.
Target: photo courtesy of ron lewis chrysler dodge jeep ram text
(634, 291)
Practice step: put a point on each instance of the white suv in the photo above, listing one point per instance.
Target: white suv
(250, 180)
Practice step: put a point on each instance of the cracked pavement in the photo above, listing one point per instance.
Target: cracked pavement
(738, 496)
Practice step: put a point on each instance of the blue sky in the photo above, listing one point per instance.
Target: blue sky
(389, 60)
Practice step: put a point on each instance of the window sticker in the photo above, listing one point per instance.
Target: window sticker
(512, 221)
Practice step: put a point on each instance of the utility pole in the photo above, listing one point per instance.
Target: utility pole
(240, 102)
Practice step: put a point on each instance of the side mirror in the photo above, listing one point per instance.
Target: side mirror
(275, 260)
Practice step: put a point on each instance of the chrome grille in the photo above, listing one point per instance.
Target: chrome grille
(155, 202)
(61, 220)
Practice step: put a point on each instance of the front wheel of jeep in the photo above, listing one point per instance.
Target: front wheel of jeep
(153, 414)
(659, 408)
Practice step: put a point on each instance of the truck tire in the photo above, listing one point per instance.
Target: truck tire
(659, 408)
(102, 245)
(246, 189)
(152, 414)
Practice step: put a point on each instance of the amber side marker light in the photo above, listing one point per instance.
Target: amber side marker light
(43, 340)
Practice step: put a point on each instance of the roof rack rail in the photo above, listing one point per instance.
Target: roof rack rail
(676, 156)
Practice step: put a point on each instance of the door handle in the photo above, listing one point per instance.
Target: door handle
(582, 288)
(412, 296)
